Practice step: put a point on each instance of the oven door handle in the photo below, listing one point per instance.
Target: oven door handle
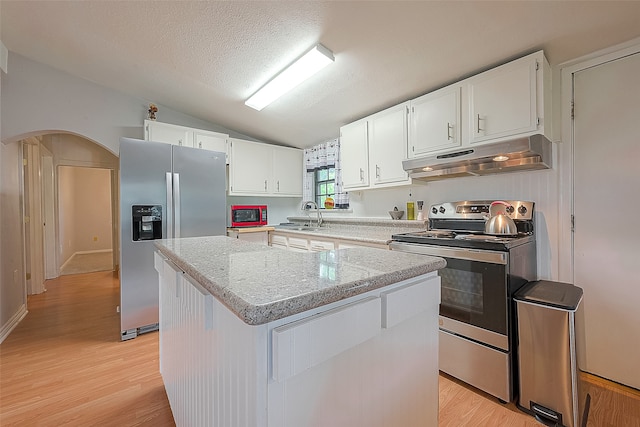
(492, 257)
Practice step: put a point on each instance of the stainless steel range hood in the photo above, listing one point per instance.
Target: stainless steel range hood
(528, 153)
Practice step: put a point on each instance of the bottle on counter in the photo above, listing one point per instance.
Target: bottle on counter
(410, 210)
(420, 211)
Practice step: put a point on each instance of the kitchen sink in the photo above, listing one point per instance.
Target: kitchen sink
(296, 227)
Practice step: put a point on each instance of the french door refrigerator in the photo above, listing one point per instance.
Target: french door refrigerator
(166, 191)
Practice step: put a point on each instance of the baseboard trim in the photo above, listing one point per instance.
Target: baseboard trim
(81, 253)
(92, 252)
(13, 322)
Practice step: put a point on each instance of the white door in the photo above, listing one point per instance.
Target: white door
(287, 171)
(354, 155)
(388, 145)
(435, 122)
(250, 167)
(606, 205)
(503, 101)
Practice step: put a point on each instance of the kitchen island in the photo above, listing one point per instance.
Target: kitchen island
(255, 336)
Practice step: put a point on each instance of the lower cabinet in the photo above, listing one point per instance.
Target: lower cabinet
(369, 360)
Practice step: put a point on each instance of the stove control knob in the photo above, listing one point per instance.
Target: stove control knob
(510, 209)
(522, 210)
(441, 209)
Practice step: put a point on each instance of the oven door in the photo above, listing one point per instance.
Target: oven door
(473, 291)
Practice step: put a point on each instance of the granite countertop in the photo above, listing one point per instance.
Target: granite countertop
(368, 230)
(261, 284)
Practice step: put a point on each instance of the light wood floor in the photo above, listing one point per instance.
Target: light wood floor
(65, 365)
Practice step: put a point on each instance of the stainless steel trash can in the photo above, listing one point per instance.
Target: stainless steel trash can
(547, 363)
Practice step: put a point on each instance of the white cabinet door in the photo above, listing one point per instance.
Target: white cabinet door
(287, 171)
(354, 155)
(167, 133)
(435, 121)
(211, 141)
(249, 167)
(388, 145)
(502, 101)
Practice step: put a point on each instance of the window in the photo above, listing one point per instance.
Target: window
(325, 180)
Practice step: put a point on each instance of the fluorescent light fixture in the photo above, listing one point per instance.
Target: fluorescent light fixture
(306, 66)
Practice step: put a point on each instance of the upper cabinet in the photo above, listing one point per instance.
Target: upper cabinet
(287, 171)
(207, 140)
(508, 100)
(372, 150)
(168, 133)
(388, 146)
(354, 155)
(257, 169)
(435, 121)
(186, 136)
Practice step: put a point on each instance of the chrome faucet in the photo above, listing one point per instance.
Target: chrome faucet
(305, 207)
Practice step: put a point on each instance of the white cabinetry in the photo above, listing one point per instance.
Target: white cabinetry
(185, 136)
(354, 155)
(508, 100)
(264, 170)
(168, 133)
(435, 121)
(249, 167)
(372, 150)
(334, 360)
(388, 146)
(287, 171)
(213, 141)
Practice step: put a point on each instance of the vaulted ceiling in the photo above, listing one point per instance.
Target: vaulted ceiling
(205, 58)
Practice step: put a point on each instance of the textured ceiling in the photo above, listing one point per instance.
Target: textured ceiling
(205, 58)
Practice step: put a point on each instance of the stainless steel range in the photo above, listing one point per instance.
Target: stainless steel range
(477, 325)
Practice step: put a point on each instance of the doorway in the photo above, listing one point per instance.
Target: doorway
(85, 221)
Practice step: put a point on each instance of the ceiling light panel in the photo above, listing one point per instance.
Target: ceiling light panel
(306, 66)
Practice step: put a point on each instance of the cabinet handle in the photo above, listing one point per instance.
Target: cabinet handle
(265, 185)
(200, 144)
(449, 129)
(361, 174)
(179, 142)
(278, 185)
(479, 130)
(377, 171)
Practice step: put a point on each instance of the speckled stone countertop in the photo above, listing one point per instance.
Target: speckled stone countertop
(261, 284)
(368, 230)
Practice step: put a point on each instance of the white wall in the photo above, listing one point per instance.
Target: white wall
(84, 210)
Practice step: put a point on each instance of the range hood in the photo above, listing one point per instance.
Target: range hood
(527, 153)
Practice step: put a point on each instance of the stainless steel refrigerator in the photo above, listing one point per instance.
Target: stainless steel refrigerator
(166, 191)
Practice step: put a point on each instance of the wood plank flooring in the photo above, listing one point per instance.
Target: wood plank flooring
(65, 365)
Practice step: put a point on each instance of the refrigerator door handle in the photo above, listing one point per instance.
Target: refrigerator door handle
(169, 211)
(176, 195)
